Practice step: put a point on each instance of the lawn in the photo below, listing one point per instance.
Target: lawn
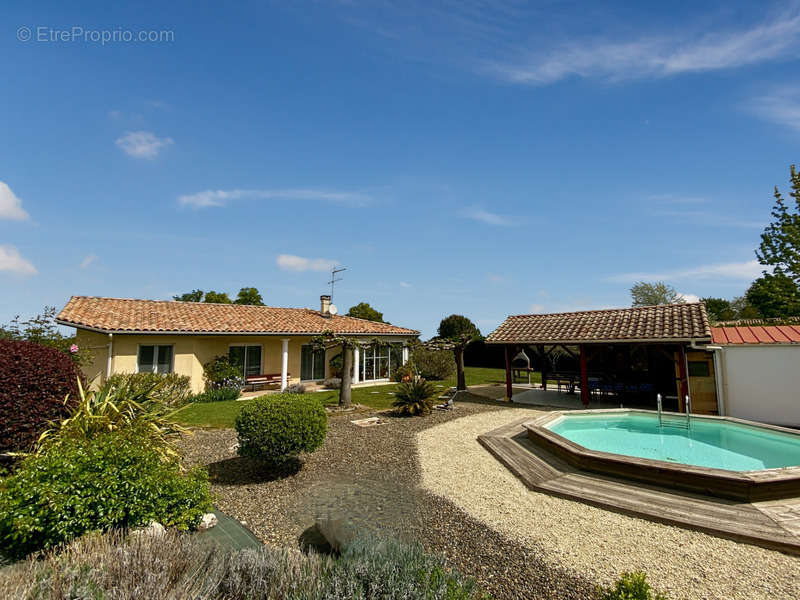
(223, 414)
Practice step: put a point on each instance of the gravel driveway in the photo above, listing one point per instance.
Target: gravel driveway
(597, 543)
(368, 479)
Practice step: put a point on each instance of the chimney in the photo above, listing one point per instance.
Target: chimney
(325, 305)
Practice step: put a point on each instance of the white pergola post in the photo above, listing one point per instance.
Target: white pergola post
(284, 363)
(356, 359)
(405, 354)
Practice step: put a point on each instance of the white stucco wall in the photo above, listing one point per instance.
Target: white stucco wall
(762, 383)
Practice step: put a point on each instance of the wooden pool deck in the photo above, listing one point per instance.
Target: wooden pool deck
(773, 524)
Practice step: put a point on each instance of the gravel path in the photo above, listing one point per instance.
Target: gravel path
(368, 479)
(601, 544)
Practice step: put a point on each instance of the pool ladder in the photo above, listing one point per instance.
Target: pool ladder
(688, 402)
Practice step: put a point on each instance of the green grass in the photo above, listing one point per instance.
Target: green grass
(380, 397)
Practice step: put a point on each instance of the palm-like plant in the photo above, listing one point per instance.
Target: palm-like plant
(117, 406)
(415, 397)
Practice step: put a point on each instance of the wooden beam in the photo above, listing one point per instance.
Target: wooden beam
(545, 364)
(584, 377)
(509, 388)
(684, 379)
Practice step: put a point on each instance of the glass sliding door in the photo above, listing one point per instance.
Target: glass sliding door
(246, 358)
(376, 362)
(312, 363)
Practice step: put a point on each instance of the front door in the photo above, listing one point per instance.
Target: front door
(312, 363)
(702, 383)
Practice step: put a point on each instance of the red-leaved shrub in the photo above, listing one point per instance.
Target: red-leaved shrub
(34, 380)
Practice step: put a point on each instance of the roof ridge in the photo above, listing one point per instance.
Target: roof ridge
(188, 302)
(601, 310)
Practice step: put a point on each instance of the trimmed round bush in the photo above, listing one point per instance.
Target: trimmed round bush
(34, 381)
(276, 428)
(114, 480)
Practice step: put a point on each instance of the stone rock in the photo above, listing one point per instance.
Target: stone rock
(208, 521)
(154, 528)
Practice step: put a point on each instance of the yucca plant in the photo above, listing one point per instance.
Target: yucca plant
(117, 406)
(415, 397)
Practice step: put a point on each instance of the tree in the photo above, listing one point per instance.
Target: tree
(43, 330)
(774, 296)
(719, 309)
(249, 295)
(780, 242)
(213, 297)
(363, 310)
(743, 309)
(650, 294)
(458, 332)
(327, 340)
(193, 296)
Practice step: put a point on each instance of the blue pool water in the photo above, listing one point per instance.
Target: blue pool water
(707, 443)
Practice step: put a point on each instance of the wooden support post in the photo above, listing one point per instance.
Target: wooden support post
(509, 390)
(584, 377)
(545, 364)
(683, 388)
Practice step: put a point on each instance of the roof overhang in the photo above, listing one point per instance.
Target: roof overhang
(228, 333)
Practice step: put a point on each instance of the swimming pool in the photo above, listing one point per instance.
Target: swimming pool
(711, 443)
(721, 456)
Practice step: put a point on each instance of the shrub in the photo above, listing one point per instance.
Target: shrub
(113, 408)
(333, 383)
(414, 397)
(374, 568)
(34, 382)
(404, 372)
(180, 566)
(433, 364)
(631, 586)
(114, 480)
(220, 372)
(275, 429)
(295, 388)
(168, 389)
(223, 394)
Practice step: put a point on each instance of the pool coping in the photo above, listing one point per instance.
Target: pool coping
(773, 524)
(749, 486)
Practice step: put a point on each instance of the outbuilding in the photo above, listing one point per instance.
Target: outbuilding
(758, 372)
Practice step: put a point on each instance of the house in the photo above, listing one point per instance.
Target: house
(135, 336)
(758, 371)
(635, 353)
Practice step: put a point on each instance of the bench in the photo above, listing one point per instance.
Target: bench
(264, 379)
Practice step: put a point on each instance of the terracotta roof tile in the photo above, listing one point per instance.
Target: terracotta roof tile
(156, 316)
(669, 322)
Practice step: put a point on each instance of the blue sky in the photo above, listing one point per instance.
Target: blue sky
(454, 157)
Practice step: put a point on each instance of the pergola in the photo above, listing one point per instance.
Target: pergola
(615, 350)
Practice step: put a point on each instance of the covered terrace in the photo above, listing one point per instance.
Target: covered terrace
(628, 354)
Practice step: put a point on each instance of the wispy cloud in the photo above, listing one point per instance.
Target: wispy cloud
(143, 144)
(405, 284)
(476, 213)
(690, 210)
(689, 297)
(209, 198)
(10, 205)
(88, 260)
(12, 261)
(780, 106)
(744, 271)
(655, 55)
(290, 262)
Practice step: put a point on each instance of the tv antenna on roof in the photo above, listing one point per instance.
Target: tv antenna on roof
(334, 279)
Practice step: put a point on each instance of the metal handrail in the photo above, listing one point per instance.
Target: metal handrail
(658, 400)
(688, 402)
